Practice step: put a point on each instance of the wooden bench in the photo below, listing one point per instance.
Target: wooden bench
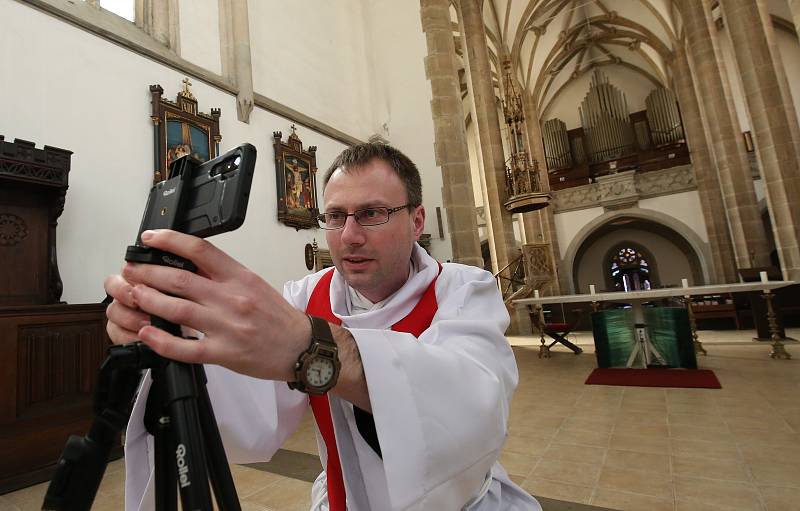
(717, 310)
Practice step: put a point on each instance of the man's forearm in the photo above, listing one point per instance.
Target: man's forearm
(352, 384)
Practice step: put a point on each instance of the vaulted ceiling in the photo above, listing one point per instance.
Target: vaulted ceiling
(552, 43)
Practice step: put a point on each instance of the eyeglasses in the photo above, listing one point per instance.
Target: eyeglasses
(365, 217)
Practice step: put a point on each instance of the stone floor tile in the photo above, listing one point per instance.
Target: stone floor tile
(570, 472)
(630, 501)
(529, 446)
(285, 495)
(691, 432)
(776, 473)
(630, 460)
(780, 499)
(582, 437)
(639, 443)
(577, 453)
(705, 449)
(518, 464)
(709, 468)
(557, 490)
(636, 481)
(728, 495)
(703, 421)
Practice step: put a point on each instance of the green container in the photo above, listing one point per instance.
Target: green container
(614, 336)
(667, 327)
(671, 335)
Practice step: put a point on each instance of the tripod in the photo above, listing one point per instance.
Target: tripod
(202, 199)
(188, 446)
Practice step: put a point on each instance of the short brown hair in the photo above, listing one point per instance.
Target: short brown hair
(361, 154)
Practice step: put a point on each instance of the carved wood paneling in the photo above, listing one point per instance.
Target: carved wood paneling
(57, 362)
(49, 360)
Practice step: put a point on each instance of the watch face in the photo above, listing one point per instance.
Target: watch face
(319, 372)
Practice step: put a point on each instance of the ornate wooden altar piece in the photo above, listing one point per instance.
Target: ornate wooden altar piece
(50, 352)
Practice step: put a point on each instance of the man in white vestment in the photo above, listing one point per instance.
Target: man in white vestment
(403, 360)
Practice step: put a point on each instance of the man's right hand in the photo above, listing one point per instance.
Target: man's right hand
(124, 317)
(247, 325)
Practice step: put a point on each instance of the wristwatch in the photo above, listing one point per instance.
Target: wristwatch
(317, 368)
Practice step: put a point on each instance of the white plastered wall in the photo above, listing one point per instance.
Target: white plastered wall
(85, 94)
(312, 56)
(401, 96)
(199, 34)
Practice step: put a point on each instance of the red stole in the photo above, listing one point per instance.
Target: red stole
(417, 321)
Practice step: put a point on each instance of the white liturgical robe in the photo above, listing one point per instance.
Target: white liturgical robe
(440, 402)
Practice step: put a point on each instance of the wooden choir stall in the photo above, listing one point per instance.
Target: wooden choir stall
(50, 351)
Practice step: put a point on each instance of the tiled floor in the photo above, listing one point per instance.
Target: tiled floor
(632, 448)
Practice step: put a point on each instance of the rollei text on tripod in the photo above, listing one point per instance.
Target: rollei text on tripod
(201, 199)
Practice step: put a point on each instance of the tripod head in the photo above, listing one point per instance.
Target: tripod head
(197, 198)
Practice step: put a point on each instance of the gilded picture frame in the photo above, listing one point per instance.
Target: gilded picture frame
(180, 129)
(295, 178)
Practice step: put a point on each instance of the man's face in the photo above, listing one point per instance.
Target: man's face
(374, 260)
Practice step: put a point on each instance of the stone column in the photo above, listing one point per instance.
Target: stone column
(738, 192)
(499, 223)
(159, 19)
(542, 221)
(234, 35)
(719, 238)
(773, 119)
(794, 7)
(450, 145)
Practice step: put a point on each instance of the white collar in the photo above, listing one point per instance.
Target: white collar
(359, 304)
(395, 307)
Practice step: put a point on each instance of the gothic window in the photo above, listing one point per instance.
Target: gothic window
(629, 270)
(122, 8)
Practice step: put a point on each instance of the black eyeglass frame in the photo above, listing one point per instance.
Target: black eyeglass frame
(389, 211)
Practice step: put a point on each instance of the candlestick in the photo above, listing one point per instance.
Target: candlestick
(591, 289)
(764, 277)
(685, 282)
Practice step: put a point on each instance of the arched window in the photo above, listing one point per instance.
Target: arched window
(629, 270)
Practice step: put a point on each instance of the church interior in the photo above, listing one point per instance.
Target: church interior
(629, 171)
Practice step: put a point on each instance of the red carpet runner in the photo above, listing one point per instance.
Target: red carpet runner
(684, 378)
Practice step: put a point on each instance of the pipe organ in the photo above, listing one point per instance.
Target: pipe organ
(606, 123)
(556, 145)
(663, 117)
(612, 140)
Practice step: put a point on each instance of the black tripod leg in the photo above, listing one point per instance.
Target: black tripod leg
(218, 468)
(165, 473)
(188, 456)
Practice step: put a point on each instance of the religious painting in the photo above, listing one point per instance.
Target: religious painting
(296, 172)
(181, 130)
(184, 139)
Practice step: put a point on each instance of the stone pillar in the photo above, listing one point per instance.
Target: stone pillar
(499, 223)
(542, 221)
(450, 145)
(234, 35)
(719, 238)
(738, 192)
(159, 19)
(794, 7)
(773, 119)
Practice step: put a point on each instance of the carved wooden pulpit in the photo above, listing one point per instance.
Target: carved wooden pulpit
(50, 352)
